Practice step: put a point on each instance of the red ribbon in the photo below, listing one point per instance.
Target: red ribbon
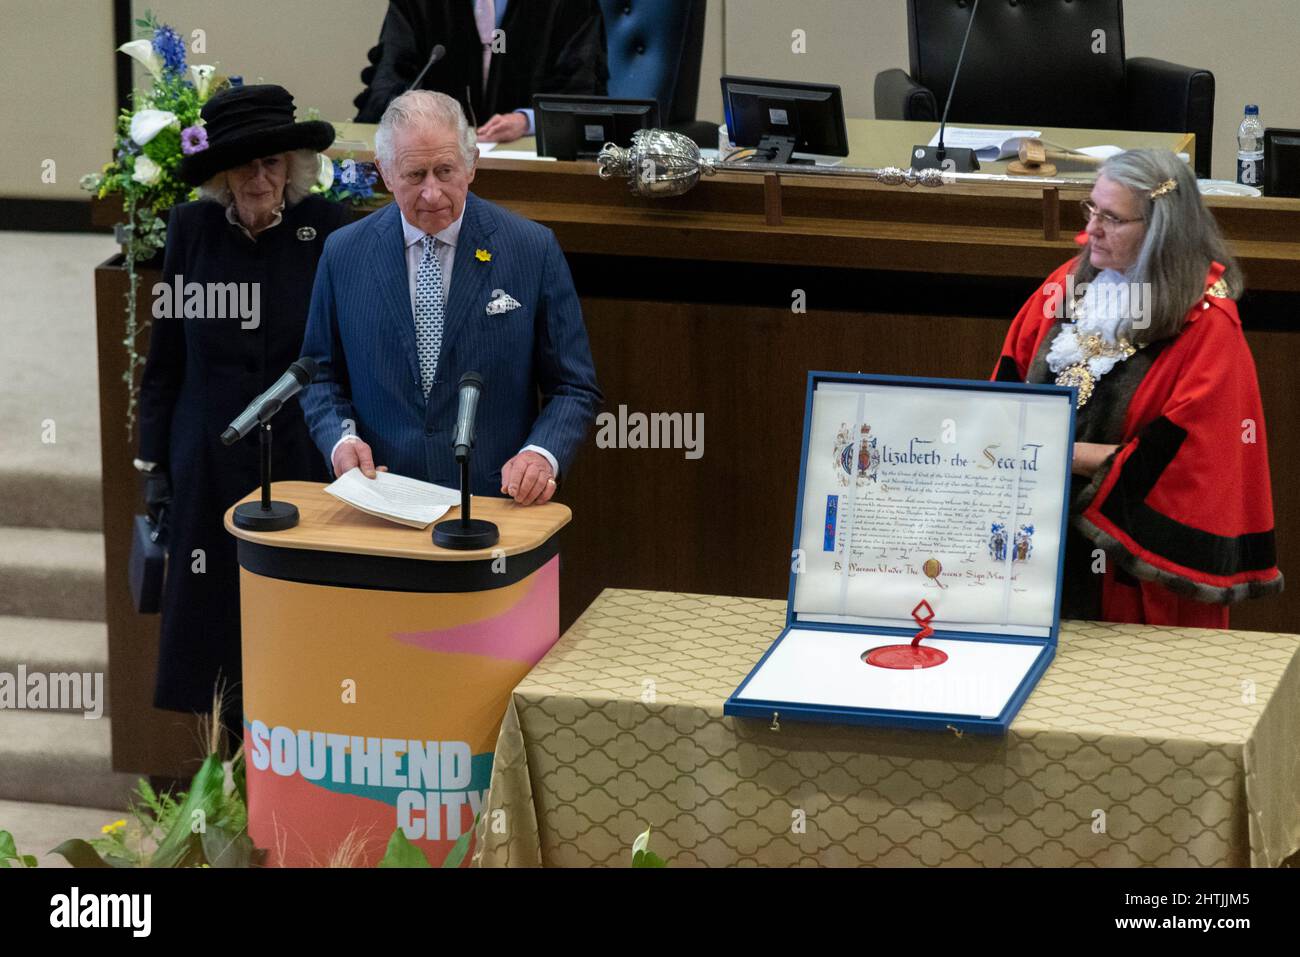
(922, 621)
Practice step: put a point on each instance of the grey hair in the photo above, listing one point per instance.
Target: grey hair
(1182, 239)
(423, 109)
(304, 170)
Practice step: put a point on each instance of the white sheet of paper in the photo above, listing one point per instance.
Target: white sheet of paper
(1100, 152)
(486, 147)
(825, 668)
(397, 498)
(521, 155)
(897, 520)
(987, 144)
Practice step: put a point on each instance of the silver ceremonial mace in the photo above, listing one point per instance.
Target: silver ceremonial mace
(660, 163)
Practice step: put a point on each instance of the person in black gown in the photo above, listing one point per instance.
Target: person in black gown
(255, 226)
(556, 46)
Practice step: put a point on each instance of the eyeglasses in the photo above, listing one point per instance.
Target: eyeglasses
(1107, 219)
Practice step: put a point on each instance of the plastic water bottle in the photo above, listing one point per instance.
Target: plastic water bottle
(1250, 148)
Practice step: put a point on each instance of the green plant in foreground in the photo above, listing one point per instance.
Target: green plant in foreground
(642, 856)
(9, 852)
(402, 853)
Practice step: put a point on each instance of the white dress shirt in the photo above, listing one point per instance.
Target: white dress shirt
(444, 248)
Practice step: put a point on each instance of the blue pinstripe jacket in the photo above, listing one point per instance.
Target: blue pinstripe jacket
(361, 331)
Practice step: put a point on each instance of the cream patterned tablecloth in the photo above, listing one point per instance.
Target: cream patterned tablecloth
(1140, 746)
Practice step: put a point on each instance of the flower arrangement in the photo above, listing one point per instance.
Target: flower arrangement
(162, 126)
(350, 182)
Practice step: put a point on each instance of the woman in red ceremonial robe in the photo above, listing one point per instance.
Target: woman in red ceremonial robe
(1171, 508)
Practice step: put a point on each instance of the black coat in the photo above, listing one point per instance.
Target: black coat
(200, 374)
(551, 46)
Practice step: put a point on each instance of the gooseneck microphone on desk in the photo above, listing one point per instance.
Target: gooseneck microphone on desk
(437, 53)
(266, 515)
(466, 532)
(954, 159)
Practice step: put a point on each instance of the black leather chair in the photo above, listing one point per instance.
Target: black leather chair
(1031, 63)
(654, 52)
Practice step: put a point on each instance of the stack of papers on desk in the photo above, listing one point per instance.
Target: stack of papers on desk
(397, 498)
(989, 145)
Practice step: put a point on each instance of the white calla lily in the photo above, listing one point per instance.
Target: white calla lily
(146, 124)
(146, 170)
(142, 52)
(325, 177)
(201, 74)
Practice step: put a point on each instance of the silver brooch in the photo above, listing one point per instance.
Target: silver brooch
(306, 233)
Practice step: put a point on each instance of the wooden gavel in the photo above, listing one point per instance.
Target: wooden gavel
(1035, 159)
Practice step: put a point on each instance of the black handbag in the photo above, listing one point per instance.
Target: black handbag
(149, 547)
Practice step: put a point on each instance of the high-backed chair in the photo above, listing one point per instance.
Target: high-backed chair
(654, 49)
(1043, 63)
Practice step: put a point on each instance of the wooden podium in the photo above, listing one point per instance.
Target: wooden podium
(377, 667)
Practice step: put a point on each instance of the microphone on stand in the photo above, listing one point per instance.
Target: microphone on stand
(302, 371)
(957, 159)
(437, 53)
(471, 387)
(466, 533)
(268, 515)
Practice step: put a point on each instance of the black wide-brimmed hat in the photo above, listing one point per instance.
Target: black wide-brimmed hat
(248, 122)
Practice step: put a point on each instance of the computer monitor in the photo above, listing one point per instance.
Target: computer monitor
(782, 117)
(1281, 162)
(576, 127)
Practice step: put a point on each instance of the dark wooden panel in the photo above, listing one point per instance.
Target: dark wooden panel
(723, 524)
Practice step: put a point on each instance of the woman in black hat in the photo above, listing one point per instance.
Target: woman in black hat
(229, 317)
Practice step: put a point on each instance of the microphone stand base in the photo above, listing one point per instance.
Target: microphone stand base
(952, 159)
(276, 517)
(465, 535)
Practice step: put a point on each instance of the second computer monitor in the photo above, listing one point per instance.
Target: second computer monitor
(781, 117)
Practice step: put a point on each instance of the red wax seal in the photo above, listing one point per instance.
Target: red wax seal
(904, 657)
(909, 657)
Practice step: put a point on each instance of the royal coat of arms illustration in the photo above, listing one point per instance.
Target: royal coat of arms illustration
(868, 455)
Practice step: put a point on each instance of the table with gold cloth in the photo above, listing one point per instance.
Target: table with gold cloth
(1142, 745)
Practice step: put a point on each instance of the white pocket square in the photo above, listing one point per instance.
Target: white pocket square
(500, 302)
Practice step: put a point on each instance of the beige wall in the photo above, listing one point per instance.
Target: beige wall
(58, 61)
(313, 48)
(58, 102)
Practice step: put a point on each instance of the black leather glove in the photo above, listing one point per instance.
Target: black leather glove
(157, 495)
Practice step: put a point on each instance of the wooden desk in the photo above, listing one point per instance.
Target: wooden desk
(697, 305)
(872, 143)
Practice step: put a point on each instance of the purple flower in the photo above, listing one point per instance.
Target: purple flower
(168, 45)
(194, 139)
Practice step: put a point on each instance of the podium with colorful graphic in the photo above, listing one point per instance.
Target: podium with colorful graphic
(376, 670)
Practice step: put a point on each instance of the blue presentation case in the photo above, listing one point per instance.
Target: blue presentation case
(865, 635)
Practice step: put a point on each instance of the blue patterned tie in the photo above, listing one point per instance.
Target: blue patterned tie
(428, 313)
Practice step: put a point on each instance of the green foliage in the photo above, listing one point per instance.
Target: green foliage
(9, 852)
(461, 847)
(79, 853)
(205, 826)
(642, 856)
(402, 853)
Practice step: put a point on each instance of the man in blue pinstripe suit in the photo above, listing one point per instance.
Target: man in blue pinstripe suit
(436, 284)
